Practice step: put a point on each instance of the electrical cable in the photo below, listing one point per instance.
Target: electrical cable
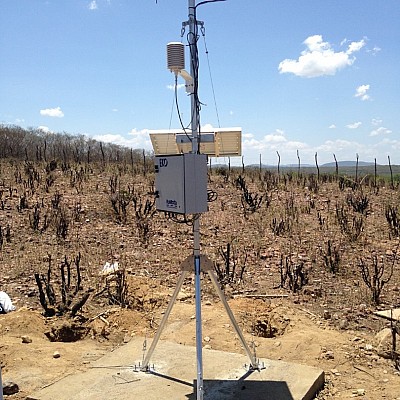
(177, 108)
(211, 195)
(194, 57)
(211, 79)
(207, 1)
(170, 117)
(172, 111)
(174, 217)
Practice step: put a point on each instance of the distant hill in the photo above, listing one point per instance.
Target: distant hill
(269, 166)
(327, 165)
(293, 166)
(348, 164)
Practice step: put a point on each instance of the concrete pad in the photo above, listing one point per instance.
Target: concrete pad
(225, 377)
(391, 315)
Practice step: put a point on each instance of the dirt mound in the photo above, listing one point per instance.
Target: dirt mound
(21, 322)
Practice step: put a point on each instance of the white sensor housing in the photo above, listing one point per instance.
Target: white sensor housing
(175, 57)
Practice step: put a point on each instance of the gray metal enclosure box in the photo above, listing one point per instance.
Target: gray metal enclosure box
(181, 183)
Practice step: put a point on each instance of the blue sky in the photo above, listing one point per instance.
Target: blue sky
(313, 76)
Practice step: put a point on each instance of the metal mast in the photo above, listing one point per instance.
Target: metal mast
(194, 69)
(197, 259)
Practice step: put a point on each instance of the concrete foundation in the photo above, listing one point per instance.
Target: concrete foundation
(226, 377)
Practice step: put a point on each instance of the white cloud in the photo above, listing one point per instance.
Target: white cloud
(374, 50)
(114, 110)
(52, 112)
(320, 59)
(178, 86)
(390, 144)
(333, 126)
(207, 128)
(44, 129)
(354, 125)
(93, 5)
(340, 146)
(361, 92)
(135, 139)
(355, 46)
(343, 149)
(273, 141)
(376, 121)
(278, 140)
(380, 131)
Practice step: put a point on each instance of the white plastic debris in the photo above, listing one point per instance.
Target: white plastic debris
(109, 269)
(5, 303)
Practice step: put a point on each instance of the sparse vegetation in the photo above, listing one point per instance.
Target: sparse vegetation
(376, 273)
(326, 240)
(232, 269)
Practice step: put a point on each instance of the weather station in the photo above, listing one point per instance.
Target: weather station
(181, 184)
(176, 369)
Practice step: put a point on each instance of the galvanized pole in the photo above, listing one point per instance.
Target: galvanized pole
(194, 62)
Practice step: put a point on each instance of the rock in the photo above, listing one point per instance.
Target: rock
(335, 372)
(10, 388)
(358, 392)
(26, 339)
(383, 335)
(207, 339)
(183, 296)
(56, 354)
(329, 355)
(343, 324)
(327, 314)
(383, 342)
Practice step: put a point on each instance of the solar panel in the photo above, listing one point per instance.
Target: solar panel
(222, 142)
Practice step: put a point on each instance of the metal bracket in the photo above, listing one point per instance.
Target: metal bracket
(186, 23)
(205, 263)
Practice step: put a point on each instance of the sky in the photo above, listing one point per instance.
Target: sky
(299, 77)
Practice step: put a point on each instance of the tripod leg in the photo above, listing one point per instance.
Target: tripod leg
(253, 361)
(164, 320)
